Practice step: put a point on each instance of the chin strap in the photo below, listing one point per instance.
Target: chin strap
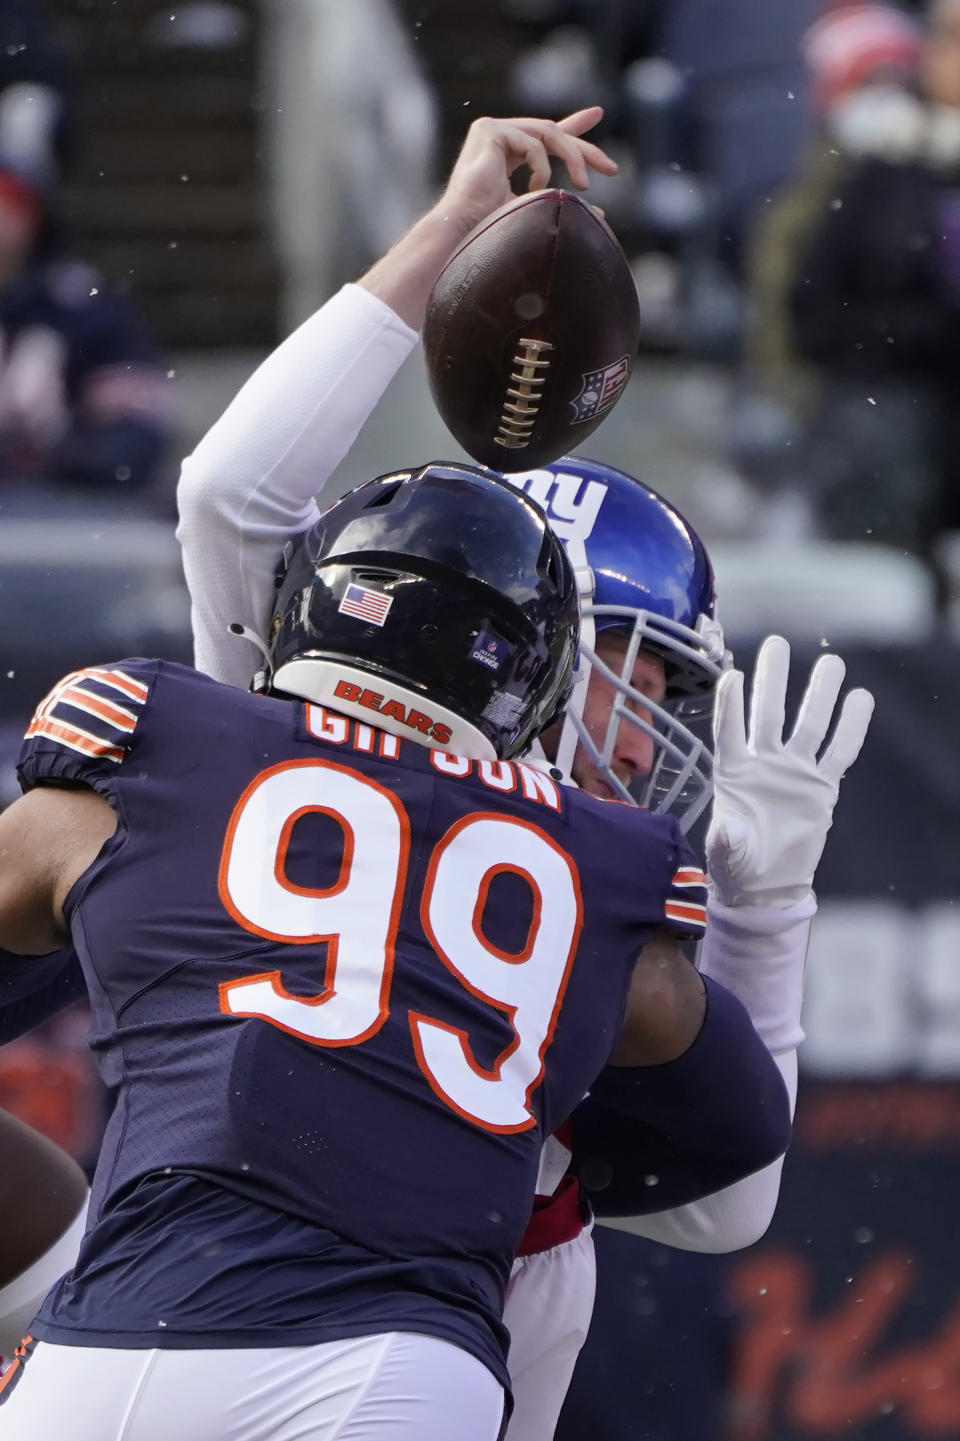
(262, 678)
(535, 758)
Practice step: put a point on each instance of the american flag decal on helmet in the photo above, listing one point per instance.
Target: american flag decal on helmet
(686, 902)
(93, 712)
(369, 605)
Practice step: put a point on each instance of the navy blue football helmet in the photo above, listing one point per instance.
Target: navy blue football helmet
(644, 573)
(435, 603)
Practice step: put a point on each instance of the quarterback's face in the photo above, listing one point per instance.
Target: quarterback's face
(633, 750)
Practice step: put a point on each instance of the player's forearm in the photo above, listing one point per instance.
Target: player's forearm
(676, 1124)
(405, 276)
(34, 988)
(251, 483)
(727, 1220)
(759, 953)
(629, 1170)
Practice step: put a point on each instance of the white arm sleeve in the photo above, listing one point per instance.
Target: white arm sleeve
(251, 483)
(760, 955)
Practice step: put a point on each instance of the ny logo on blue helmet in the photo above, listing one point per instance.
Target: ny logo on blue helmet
(645, 578)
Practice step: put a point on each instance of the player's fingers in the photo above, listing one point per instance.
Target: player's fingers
(818, 704)
(522, 148)
(848, 737)
(598, 159)
(595, 157)
(580, 121)
(570, 150)
(578, 155)
(535, 141)
(768, 694)
(729, 734)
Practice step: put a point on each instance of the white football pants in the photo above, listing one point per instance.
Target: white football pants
(398, 1386)
(548, 1309)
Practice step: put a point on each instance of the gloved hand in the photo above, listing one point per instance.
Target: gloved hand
(773, 799)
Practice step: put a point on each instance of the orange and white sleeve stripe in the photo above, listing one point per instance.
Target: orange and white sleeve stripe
(93, 712)
(685, 906)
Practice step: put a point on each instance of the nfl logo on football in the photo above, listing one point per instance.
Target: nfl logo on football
(599, 389)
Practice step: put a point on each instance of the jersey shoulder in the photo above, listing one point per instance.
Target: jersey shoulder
(647, 855)
(94, 721)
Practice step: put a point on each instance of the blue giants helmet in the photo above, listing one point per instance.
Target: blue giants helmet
(643, 572)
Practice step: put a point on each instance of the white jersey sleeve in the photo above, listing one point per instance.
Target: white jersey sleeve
(760, 955)
(253, 479)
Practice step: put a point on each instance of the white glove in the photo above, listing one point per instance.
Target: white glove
(773, 800)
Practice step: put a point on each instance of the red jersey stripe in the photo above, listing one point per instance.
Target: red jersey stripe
(686, 911)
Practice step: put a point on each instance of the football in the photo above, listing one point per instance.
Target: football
(531, 331)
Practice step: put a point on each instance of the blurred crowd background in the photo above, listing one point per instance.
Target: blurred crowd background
(181, 185)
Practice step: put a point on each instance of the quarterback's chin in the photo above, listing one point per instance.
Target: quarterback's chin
(594, 785)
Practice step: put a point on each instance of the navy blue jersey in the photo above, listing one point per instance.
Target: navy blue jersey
(342, 987)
